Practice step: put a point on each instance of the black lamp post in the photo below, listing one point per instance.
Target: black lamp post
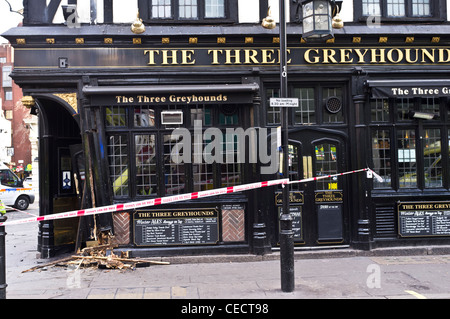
(317, 24)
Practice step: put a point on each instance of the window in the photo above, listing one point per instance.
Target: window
(317, 105)
(306, 112)
(381, 149)
(401, 9)
(118, 164)
(7, 81)
(195, 11)
(214, 9)
(326, 164)
(407, 159)
(161, 9)
(147, 159)
(8, 94)
(407, 151)
(432, 158)
(7, 178)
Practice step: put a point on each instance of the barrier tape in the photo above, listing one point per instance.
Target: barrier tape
(177, 198)
(149, 202)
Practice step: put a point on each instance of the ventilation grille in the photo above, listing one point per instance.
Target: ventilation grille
(333, 105)
(385, 222)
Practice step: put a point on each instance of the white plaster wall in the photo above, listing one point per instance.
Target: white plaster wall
(248, 11)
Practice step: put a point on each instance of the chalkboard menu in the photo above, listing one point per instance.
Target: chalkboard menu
(296, 213)
(420, 219)
(176, 227)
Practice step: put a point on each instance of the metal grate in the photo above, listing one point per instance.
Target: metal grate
(385, 222)
(333, 104)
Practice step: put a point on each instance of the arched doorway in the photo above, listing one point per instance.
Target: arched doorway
(58, 131)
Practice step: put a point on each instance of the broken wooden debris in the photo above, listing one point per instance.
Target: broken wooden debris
(102, 257)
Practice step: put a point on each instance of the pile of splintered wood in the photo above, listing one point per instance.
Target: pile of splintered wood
(102, 257)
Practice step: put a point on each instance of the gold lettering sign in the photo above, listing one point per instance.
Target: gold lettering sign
(172, 98)
(329, 196)
(231, 56)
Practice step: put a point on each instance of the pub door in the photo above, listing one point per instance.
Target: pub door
(319, 207)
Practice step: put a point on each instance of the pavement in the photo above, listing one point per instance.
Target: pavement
(396, 273)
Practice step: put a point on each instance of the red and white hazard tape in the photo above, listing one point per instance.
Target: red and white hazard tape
(149, 202)
(176, 198)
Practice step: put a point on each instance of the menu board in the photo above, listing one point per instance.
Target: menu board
(176, 227)
(420, 219)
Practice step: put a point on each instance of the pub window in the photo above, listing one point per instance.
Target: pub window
(306, 112)
(273, 113)
(381, 152)
(203, 173)
(116, 116)
(326, 164)
(144, 116)
(201, 113)
(404, 106)
(119, 164)
(174, 173)
(379, 110)
(407, 160)
(142, 152)
(431, 106)
(146, 167)
(432, 158)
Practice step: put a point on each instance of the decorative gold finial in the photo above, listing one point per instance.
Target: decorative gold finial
(337, 23)
(268, 22)
(138, 26)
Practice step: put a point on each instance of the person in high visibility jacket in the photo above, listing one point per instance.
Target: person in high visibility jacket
(2, 208)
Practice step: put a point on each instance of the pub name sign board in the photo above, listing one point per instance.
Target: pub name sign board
(141, 57)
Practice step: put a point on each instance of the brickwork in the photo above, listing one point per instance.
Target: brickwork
(121, 228)
(233, 225)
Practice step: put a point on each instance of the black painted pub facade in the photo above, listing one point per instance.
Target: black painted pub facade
(109, 102)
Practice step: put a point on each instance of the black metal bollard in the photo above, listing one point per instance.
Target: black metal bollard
(3, 284)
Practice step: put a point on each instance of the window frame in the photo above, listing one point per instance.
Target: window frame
(129, 131)
(438, 10)
(394, 124)
(231, 14)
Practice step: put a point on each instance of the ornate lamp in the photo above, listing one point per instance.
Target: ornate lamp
(317, 19)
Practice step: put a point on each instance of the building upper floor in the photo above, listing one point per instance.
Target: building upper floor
(50, 12)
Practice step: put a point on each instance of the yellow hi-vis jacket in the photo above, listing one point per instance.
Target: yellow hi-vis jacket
(2, 208)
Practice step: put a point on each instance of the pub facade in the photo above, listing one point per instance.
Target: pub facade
(180, 104)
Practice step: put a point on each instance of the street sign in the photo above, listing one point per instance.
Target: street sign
(283, 102)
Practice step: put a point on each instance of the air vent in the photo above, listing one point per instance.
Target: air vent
(333, 105)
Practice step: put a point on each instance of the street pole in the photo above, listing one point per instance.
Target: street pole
(286, 233)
